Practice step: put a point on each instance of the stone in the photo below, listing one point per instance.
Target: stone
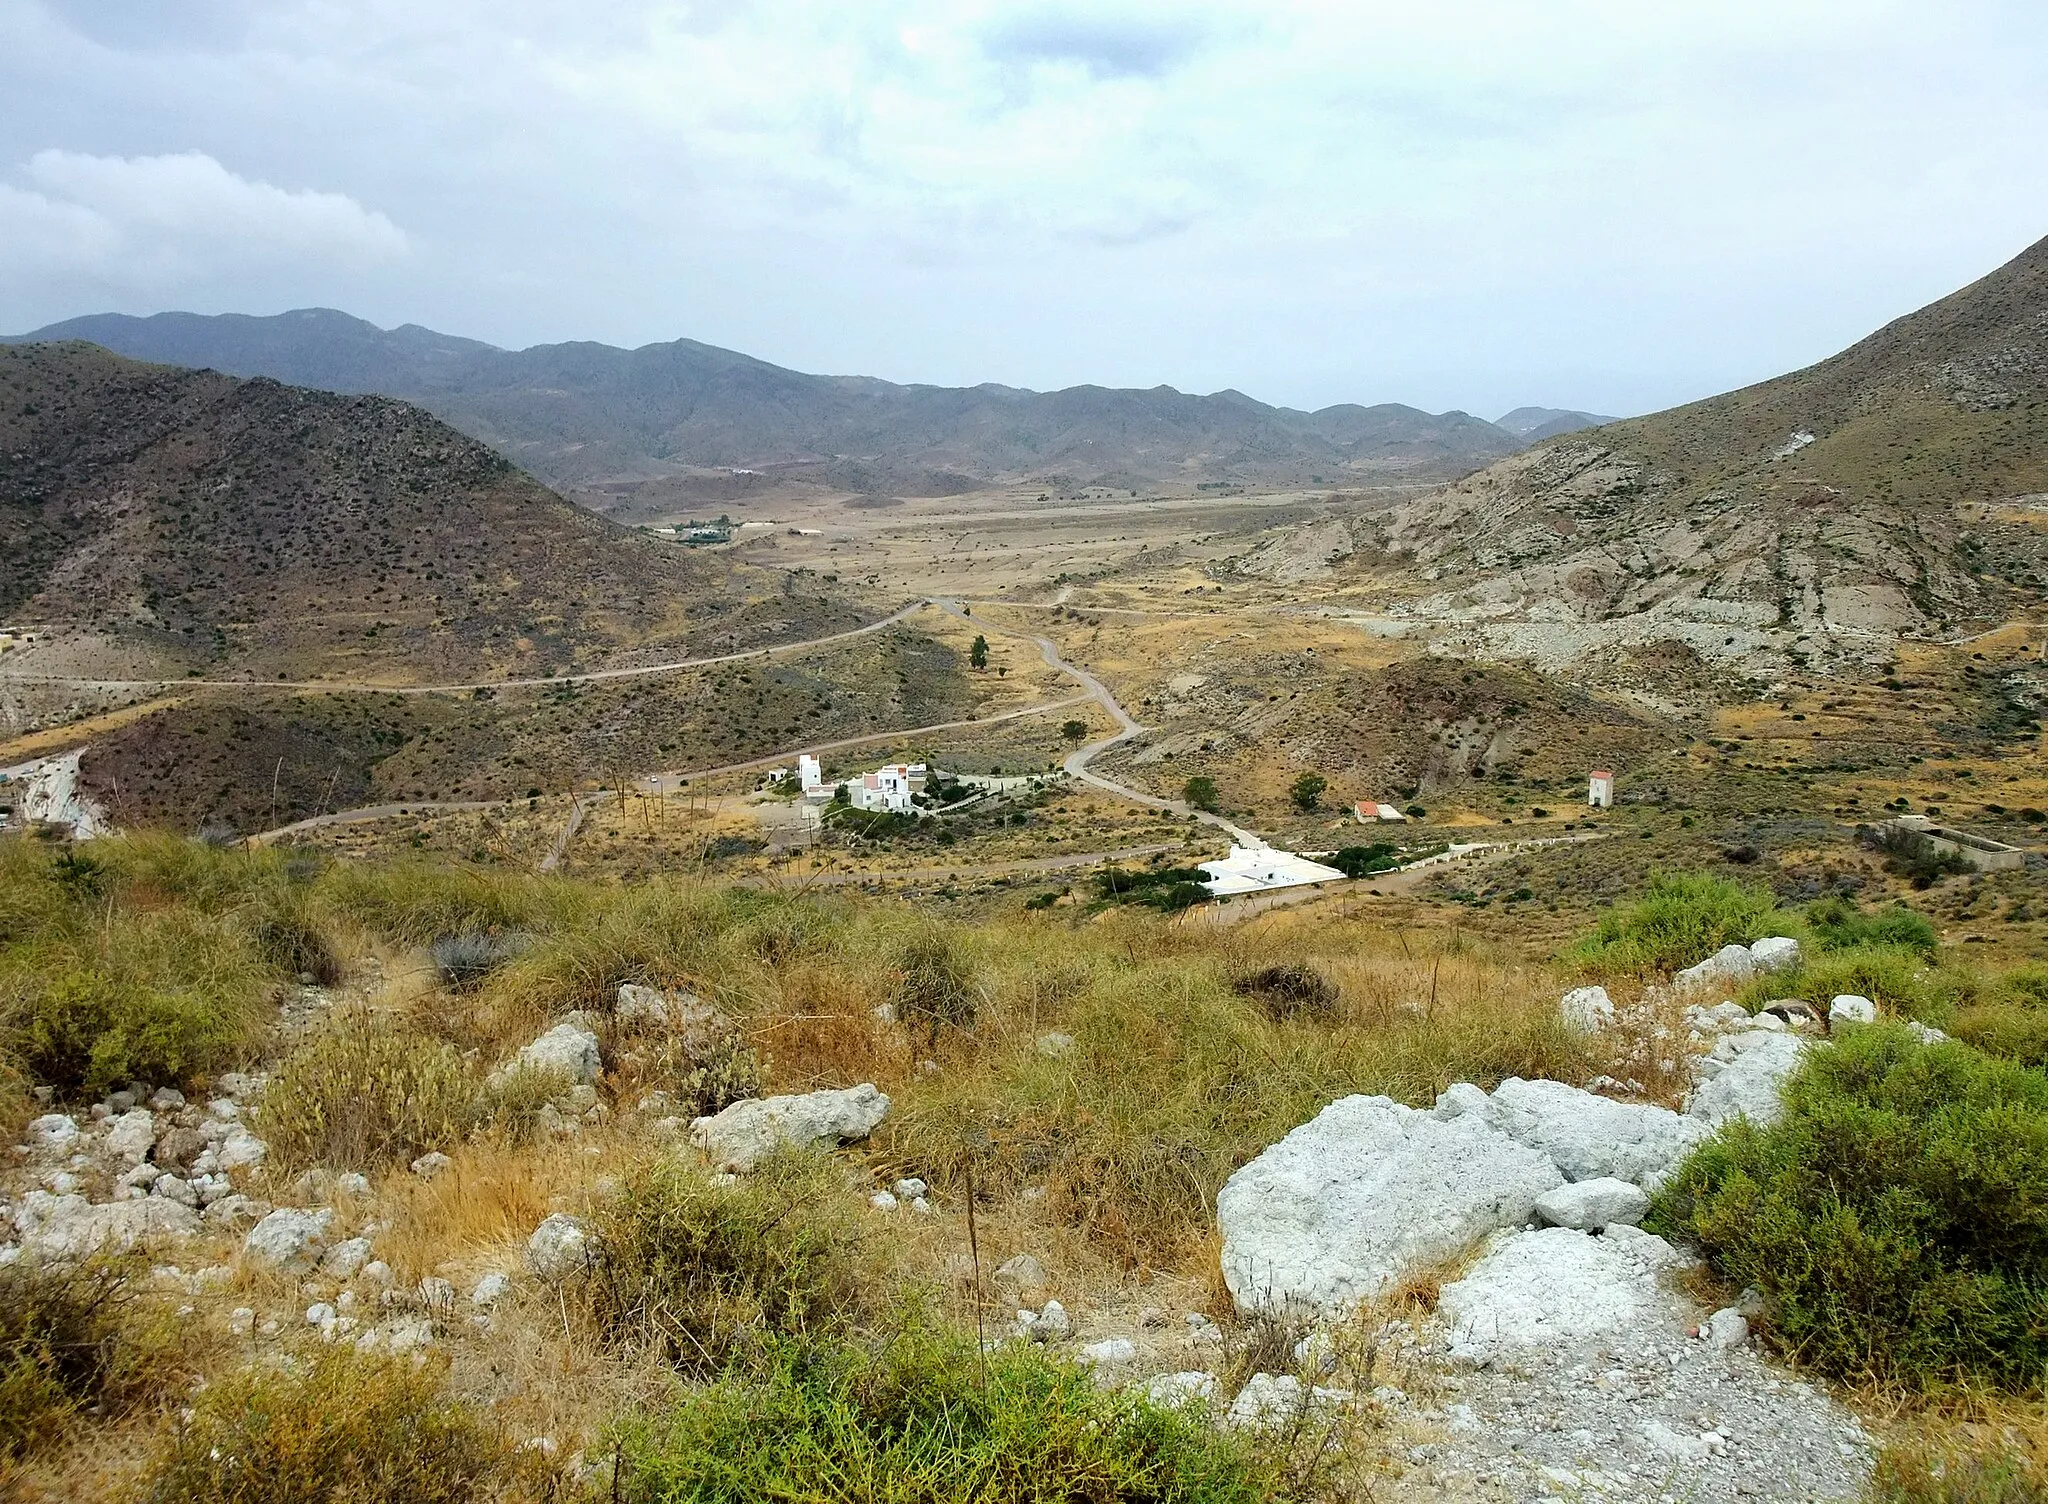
(377, 1272)
(558, 1248)
(236, 1085)
(167, 1099)
(1847, 1008)
(1924, 1034)
(175, 1189)
(428, 1166)
(236, 1210)
(1345, 1203)
(345, 1260)
(1053, 1322)
(241, 1150)
(1775, 953)
(289, 1240)
(1021, 1273)
(52, 1133)
(1189, 1387)
(1586, 1010)
(437, 1292)
(1056, 1046)
(176, 1148)
(1111, 1352)
(882, 1201)
(569, 1049)
(131, 1135)
(1270, 1402)
(1748, 1078)
(1731, 963)
(1676, 1445)
(909, 1188)
(1727, 1328)
(1591, 1137)
(746, 1133)
(921, 1206)
(1593, 1205)
(1535, 1291)
(491, 1289)
(354, 1183)
(319, 1313)
(242, 1320)
(65, 1229)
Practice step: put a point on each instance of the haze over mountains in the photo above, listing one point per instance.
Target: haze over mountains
(603, 422)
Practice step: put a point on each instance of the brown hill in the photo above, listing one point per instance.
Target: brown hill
(227, 526)
(1892, 488)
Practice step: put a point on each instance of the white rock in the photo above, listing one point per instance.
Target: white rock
(882, 1201)
(491, 1289)
(641, 1005)
(354, 1183)
(236, 1210)
(1056, 1046)
(1341, 1206)
(1591, 1205)
(1730, 1015)
(1727, 1328)
(131, 1135)
(1022, 1272)
(143, 1176)
(63, 1229)
(1534, 1291)
(746, 1133)
(1749, 1080)
(1111, 1352)
(1775, 953)
(1191, 1386)
(1591, 1137)
(289, 1241)
(1731, 963)
(222, 1110)
(1677, 1445)
(1924, 1034)
(242, 1320)
(52, 1133)
(1053, 1321)
(167, 1099)
(437, 1292)
(1848, 1008)
(241, 1150)
(569, 1048)
(345, 1260)
(427, 1166)
(176, 1189)
(1270, 1402)
(910, 1188)
(319, 1313)
(377, 1272)
(921, 1206)
(559, 1247)
(409, 1336)
(1586, 1010)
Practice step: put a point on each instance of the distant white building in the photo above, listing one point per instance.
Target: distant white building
(1368, 812)
(1600, 789)
(809, 774)
(1251, 869)
(888, 789)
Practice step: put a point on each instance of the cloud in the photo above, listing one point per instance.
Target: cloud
(1101, 42)
(154, 223)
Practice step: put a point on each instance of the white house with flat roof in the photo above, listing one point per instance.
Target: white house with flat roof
(1250, 869)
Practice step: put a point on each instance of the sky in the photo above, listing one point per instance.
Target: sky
(1613, 205)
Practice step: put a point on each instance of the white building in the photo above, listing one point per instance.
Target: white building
(1600, 789)
(1256, 869)
(810, 775)
(1368, 812)
(888, 789)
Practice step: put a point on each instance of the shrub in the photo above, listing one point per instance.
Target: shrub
(696, 1271)
(335, 1426)
(1167, 889)
(1361, 861)
(465, 960)
(1199, 792)
(1681, 919)
(71, 1340)
(361, 1093)
(934, 984)
(1838, 924)
(707, 1068)
(1287, 990)
(1911, 855)
(1307, 791)
(1896, 1217)
(922, 1418)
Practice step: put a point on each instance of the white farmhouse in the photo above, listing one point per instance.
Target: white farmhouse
(1600, 789)
(888, 789)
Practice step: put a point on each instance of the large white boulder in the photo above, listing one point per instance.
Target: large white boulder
(569, 1048)
(1594, 1205)
(1552, 1288)
(746, 1133)
(289, 1240)
(1586, 1010)
(1343, 1205)
(1848, 1008)
(64, 1229)
(1774, 953)
(1589, 1137)
(1731, 963)
(558, 1248)
(131, 1135)
(1745, 1076)
(52, 1134)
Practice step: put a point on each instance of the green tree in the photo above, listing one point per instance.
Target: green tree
(1307, 792)
(1200, 792)
(1073, 731)
(978, 654)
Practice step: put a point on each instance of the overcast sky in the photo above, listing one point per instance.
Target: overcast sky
(1607, 204)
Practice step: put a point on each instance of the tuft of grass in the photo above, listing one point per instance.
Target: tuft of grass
(72, 1340)
(1896, 1217)
(923, 1417)
(695, 1271)
(1838, 924)
(338, 1425)
(362, 1093)
(934, 984)
(1287, 989)
(1682, 918)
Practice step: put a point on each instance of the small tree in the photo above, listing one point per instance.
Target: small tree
(978, 654)
(1073, 731)
(1307, 792)
(1200, 792)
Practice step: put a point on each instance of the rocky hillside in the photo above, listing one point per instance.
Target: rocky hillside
(228, 525)
(582, 414)
(1894, 488)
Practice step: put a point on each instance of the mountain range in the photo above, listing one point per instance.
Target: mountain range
(693, 420)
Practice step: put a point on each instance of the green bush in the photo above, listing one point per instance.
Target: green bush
(1363, 861)
(73, 1340)
(336, 1426)
(362, 1093)
(696, 1271)
(921, 1418)
(1681, 919)
(1838, 924)
(1896, 1217)
(1898, 979)
(2011, 1020)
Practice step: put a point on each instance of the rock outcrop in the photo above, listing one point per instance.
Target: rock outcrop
(746, 1133)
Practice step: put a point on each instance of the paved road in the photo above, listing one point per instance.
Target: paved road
(1077, 761)
(591, 676)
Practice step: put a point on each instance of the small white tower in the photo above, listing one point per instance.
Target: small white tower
(1600, 789)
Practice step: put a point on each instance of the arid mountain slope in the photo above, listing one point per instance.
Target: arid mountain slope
(242, 526)
(1892, 488)
(582, 414)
